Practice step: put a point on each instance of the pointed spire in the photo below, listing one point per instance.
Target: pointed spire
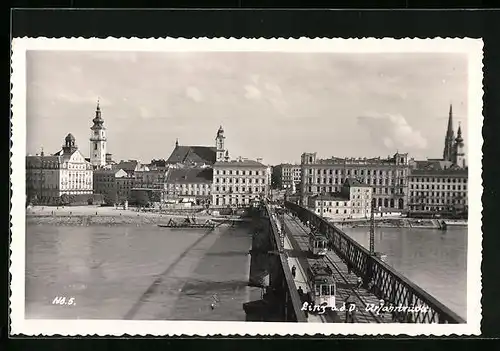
(448, 140)
(98, 107)
(459, 139)
(450, 122)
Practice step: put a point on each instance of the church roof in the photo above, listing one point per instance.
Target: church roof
(192, 154)
(189, 175)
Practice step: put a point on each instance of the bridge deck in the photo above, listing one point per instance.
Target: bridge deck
(346, 283)
(301, 281)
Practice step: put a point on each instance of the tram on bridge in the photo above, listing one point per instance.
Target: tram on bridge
(318, 243)
(322, 283)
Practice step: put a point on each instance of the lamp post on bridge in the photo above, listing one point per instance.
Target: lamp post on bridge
(372, 230)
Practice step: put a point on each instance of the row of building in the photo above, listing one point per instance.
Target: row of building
(202, 175)
(396, 183)
(206, 175)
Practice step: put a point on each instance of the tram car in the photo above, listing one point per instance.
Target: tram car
(322, 284)
(318, 244)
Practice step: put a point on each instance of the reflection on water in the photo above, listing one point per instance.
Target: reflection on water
(435, 260)
(136, 272)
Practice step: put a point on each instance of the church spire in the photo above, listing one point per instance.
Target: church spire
(449, 139)
(98, 121)
(459, 138)
(98, 139)
(450, 122)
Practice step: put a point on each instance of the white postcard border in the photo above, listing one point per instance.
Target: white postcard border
(21, 326)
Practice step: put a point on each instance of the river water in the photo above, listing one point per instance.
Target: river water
(152, 273)
(433, 259)
(144, 273)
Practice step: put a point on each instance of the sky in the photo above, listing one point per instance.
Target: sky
(271, 105)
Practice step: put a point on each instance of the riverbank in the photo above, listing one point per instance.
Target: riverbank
(96, 215)
(401, 223)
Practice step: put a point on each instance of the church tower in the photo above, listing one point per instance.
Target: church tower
(449, 139)
(219, 146)
(98, 140)
(458, 152)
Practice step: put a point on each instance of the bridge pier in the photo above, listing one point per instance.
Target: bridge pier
(280, 302)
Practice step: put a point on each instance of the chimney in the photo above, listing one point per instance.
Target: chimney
(259, 159)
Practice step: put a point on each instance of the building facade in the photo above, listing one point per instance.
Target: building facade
(353, 201)
(238, 182)
(124, 186)
(150, 178)
(63, 173)
(188, 184)
(106, 184)
(287, 176)
(387, 177)
(438, 190)
(98, 140)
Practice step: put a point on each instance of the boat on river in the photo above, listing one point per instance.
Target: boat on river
(189, 223)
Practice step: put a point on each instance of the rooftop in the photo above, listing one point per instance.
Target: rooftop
(239, 163)
(129, 165)
(108, 171)
(461, 172)
(359, 160)
(189, 175)
(336, 196)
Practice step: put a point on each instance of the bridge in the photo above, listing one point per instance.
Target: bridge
(349, 260)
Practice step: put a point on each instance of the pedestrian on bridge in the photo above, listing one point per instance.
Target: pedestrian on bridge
(294, 271)
(359, 283)
(301, 293)
(349, 268)
(350, 316)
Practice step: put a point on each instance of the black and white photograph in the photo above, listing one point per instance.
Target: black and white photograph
(246, 186)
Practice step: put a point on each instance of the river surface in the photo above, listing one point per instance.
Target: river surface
(144, 273)
(433, 259)
(152, 273)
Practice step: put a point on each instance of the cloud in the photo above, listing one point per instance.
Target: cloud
(194, 94)
(145, 112)
(392, 131)
(71, 97)
(252, 92)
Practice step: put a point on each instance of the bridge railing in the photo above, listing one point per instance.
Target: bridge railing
(293, 304)
(389, 285)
